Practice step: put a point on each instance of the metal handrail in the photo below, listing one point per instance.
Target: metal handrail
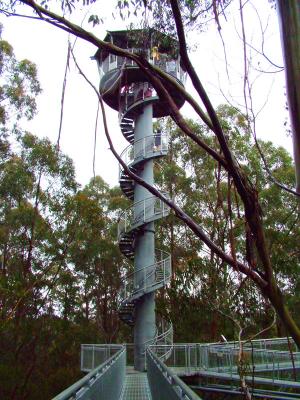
(130, 287)
(172, 67)
(166, 336)
(223, 358)
(93, 355)
(142, 212)
(114, 368)
(164, 383)
(143, 148)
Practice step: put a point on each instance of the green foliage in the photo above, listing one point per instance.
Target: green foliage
(18, 86)
(195, 14)
(59, 263)
(95, 20)
(206, 193)
(60, 268)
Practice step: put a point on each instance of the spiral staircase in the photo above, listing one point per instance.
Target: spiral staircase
(127, 89)
(132, 223)
(108, 377)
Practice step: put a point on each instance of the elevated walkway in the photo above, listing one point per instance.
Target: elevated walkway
(136, 386)
(271, 369)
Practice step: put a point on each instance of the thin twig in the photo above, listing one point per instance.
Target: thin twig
(62, 101)
(95, 140)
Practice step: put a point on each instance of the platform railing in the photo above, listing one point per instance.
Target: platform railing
(146, 147)
(224, 358)
(160, 272)
(285, 343)
(171, 66)
(92, 355)
(164, 383)
(106, 381)
(141, 213)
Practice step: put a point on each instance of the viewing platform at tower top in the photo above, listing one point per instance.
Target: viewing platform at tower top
(118, 74)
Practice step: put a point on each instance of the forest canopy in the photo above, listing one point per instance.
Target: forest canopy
(233, 233)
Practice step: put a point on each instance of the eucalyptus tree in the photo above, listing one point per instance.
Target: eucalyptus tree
(33, 180)
(95, 261)
(60, 268)
(19, 86)
(260, 269)
(206, 192)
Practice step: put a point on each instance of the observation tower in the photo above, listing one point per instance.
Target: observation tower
(127, 89)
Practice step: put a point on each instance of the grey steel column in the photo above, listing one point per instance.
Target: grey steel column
(144, 328)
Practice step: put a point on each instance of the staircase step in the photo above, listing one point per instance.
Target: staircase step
(127, 306)
(128, 122)
(126, 313)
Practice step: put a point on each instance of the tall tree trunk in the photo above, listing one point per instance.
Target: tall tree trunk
(289, 21)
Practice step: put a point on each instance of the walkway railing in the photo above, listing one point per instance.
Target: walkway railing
(164, 383)
(104, 382)
(92, 355)
(222, 358)
(266, 367)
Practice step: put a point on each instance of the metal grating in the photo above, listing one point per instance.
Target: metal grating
(136, 387)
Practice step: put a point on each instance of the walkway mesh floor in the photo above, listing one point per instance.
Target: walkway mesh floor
(136, 387)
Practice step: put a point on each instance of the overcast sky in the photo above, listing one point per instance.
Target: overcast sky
(47, 47)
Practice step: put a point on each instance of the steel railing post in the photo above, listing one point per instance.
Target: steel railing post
(273, 370)
(93, 357)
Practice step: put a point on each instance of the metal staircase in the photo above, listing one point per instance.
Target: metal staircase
(155, 277)
(132, 222)
(127, 128)
(272, 363)
(136, 154)
(127, 89)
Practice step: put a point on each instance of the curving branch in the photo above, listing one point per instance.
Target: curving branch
(245, 189)
(63, 92)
